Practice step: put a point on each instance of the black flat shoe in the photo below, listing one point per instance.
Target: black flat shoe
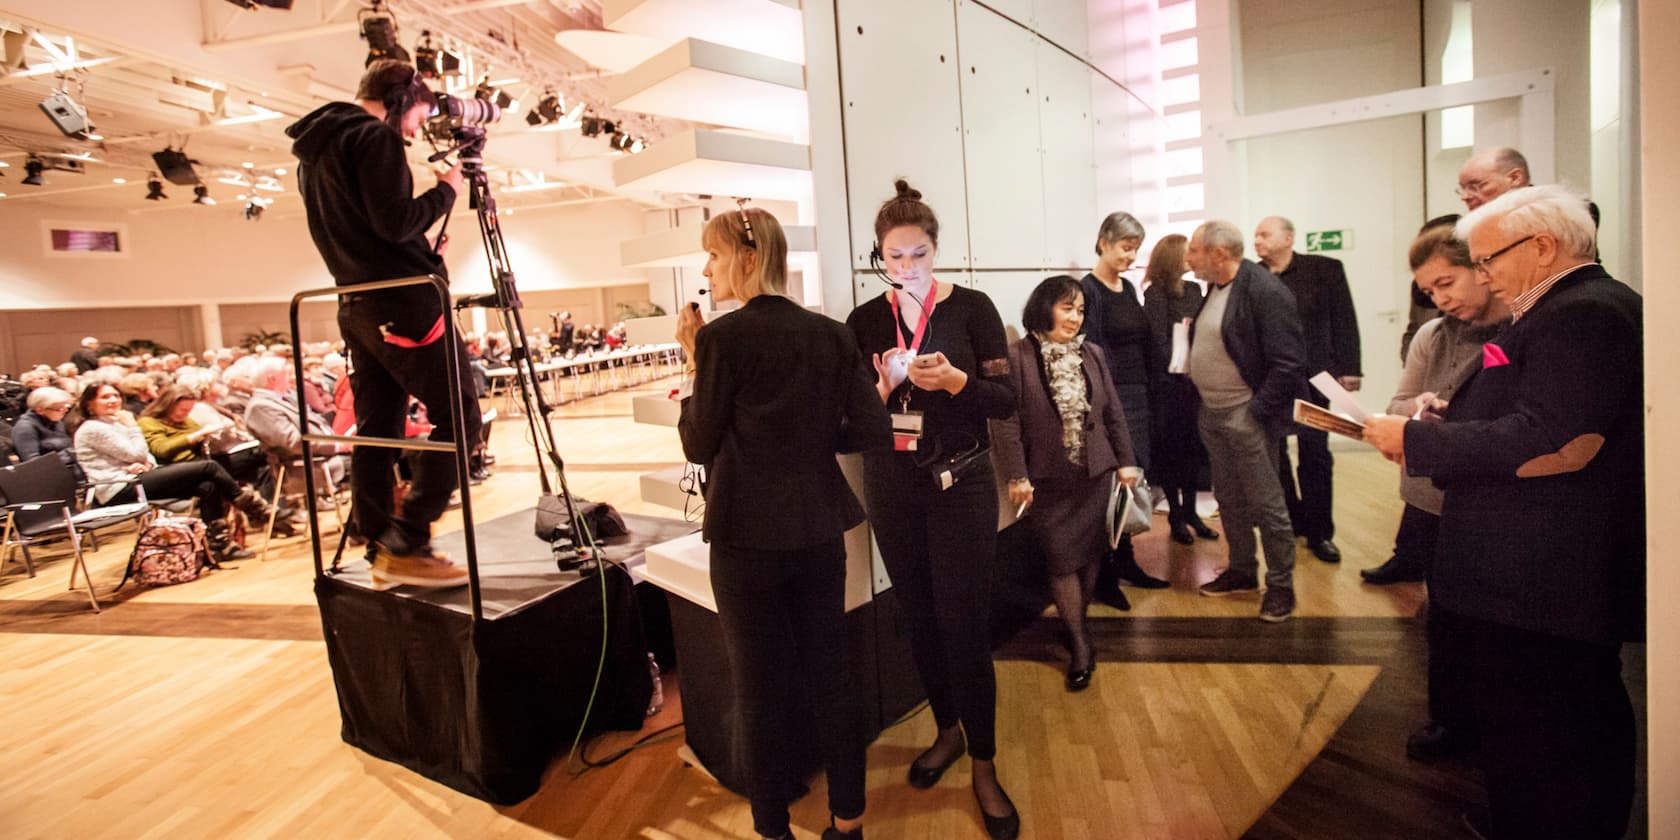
(922, 777)
(1114, 598)
(1181, 534)
(1203, 531)
(832, 833)
(1079, 679)
(1434, 742)
(1325, 550)
(1001, 828)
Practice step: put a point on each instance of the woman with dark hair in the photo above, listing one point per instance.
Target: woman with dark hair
(778, 391)
(1174, 442)
(1060, 452)
(113, 452)
(942, 368)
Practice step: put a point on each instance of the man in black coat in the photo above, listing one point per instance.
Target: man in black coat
(357, 193)
(1245, 359)
(1330, 333)
(1541, 553)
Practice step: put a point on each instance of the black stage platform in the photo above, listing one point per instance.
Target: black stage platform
(483, 707)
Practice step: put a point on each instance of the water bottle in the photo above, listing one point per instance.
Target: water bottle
(658, 700)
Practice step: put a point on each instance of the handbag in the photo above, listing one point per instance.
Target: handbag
(1130, 510)
(948, 471)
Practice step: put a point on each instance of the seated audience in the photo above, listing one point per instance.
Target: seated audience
(272, 418)
(40, 431)
(138, 391)
(113, 452)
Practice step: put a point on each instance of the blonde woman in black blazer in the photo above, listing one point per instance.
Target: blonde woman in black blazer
(778, 391)
(1060, 451)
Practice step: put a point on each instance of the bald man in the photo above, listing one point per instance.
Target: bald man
(1491, 173)
(1330, 334)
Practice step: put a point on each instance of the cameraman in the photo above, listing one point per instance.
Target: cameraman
(354, 178)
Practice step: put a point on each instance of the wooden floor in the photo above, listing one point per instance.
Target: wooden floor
(208, 710)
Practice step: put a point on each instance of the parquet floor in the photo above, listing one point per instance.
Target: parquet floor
(207, 710)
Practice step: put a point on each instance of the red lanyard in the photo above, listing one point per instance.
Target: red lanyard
(921, 328)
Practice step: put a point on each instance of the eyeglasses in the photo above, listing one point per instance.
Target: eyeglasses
(1482, 264)
(1471, 188)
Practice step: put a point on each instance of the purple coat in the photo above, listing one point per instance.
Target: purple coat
(1029, 444)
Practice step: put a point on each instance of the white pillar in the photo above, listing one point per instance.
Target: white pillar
(1512, 35)
(1659, 115)
(210, 320)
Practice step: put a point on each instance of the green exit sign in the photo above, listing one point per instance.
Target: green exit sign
(1329, 240)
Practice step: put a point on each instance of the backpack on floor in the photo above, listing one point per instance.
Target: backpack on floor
(170, 549)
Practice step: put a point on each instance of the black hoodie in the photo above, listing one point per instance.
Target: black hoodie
(354, 179)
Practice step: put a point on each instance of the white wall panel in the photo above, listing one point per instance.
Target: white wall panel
(1008, 291)
(1069, 171)
(1000, 99)
(898, 77)
(1062, 21)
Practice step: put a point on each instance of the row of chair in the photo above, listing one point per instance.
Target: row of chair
(43, 503)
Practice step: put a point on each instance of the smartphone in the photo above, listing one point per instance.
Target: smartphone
(927, 360)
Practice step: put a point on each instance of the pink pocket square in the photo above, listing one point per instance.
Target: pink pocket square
(1493, 356)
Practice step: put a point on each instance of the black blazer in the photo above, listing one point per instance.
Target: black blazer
(1542, 458)
(1262, 332)
(1029, 444)
(778, 391)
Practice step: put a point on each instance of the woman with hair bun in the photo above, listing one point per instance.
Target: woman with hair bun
(942, 368)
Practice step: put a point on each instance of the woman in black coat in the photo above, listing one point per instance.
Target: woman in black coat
(40, 431)
(1173, 439)
(942, 368)
(777, 392)
(1115, 321)
(1060, 452)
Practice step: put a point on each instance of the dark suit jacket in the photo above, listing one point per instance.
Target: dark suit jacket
(1029, 444)
(1262, 332)
(1329, 327)
(778, 391)
(1543, 463)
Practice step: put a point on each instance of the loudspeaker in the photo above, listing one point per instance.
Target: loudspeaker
(66, 113)
(176, 166)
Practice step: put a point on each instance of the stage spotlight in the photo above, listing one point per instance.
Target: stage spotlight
(533, 118)
(154, 189)
(176, 167)
(433, 60)
(636, 146)
(282, 5)
(591, 126)
(201, 195)
(549, 110)
(618, 141)
(32, 172)
(379, 29)
(253, 212)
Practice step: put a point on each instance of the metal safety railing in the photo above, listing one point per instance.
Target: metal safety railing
(457, 412)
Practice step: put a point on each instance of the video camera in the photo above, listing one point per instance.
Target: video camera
(461, 121)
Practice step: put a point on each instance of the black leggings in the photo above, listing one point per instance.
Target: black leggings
(783, 615)
(938, 547)
(202, 480)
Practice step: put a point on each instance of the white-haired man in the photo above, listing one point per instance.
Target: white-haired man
(1541, 550)
(272, 418)
(86, 357)
(1245, 359)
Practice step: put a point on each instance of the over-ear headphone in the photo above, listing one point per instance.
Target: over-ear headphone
(401, 97)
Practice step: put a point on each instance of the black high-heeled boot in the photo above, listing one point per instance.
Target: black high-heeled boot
(1126, 568)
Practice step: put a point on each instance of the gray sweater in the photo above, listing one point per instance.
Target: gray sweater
(1443, 354)
(105, 448)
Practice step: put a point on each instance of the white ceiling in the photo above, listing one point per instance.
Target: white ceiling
(192, 72)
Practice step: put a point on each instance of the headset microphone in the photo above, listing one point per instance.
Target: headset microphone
(703, 291)
(875, 265)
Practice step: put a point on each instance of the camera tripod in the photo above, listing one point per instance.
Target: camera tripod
(577, 551)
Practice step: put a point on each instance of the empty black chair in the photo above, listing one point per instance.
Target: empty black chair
(41, 504)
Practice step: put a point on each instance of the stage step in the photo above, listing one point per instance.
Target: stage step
(704, 161)
(712, 84)
(683, 567)
(679, 247)
(770, 27)
(660, 487)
